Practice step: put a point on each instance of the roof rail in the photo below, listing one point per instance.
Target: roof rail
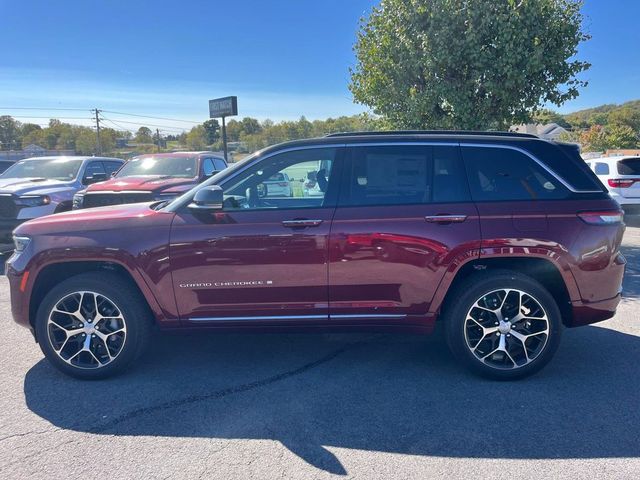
(431, 132)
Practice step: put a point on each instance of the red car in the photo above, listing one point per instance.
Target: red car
(157, 176)
(505, 239)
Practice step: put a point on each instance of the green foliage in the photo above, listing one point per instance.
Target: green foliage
(469, 64)
(9, 133)
(212, 130)
(197, 138)
(144, 135)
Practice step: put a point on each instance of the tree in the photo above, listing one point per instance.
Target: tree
(144, 135)
(545, 116)
(471, 64)
(212, 130)
(625, 116)
(197, 138)
(9, 133)
(621, 136)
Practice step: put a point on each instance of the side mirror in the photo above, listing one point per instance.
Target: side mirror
(96, 177)
(208, 198)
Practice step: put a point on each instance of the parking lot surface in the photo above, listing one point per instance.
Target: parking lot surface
(322, 406)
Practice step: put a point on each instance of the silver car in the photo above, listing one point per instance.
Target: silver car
(40, 186)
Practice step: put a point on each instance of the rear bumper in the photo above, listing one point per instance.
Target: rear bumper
(586, 313)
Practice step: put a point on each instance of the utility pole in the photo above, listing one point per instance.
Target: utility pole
(96, 111)
(158, 138)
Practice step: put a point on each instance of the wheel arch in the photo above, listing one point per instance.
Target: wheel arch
(544, 270)
(51, 274)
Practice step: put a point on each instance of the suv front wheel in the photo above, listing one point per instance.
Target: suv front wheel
(92, 325)
(502, 324)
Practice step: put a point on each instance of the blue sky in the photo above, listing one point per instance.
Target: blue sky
(282, 58)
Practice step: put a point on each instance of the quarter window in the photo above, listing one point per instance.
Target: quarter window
(501, 174)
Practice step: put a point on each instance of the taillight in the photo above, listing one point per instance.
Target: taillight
(621, 182)
(608, 217)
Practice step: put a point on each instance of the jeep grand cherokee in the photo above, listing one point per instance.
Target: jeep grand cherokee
(504, 239)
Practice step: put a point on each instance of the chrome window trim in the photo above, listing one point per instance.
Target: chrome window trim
(117, 191)
(436, 143)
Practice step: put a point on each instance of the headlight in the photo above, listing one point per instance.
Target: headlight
(33, 200)
(20, 243)
(78, 199)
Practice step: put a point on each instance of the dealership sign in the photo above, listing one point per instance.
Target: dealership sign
(223, 107)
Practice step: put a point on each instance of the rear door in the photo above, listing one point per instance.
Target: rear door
(404, 218)
(629, 177)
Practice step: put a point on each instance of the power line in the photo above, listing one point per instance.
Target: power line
(145, 124)
(51, 118)
(38, 108)
(148, 116)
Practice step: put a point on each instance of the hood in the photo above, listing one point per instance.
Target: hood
(22, 186)
(114, 218)
(145, 184)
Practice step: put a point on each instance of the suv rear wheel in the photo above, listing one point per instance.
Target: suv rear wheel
(92, 325)
(502, 325)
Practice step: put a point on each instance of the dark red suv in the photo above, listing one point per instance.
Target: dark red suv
(504, 239)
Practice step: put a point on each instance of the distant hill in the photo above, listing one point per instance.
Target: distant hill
(601, 115)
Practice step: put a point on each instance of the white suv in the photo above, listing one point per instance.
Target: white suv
(621, 176)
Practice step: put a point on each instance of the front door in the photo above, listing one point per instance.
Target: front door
(263, 259)
(403, 218)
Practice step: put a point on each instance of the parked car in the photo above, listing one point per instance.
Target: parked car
(621, 176)
(39, 186)
(158, 176)
(278, 185)
(504, 239)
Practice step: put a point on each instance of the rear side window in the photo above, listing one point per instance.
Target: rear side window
(501, 174)
(601, 168)
(630, 166)
(393, 175)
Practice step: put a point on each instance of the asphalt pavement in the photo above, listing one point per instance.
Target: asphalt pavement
(323, 406)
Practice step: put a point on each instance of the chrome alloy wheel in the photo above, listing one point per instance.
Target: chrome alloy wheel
(506, 329)
(86, 330)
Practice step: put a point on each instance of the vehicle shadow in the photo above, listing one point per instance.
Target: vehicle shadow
(631, 284)
(390, 393)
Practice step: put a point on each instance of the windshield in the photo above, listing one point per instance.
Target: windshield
(178, 166)
(56, 169)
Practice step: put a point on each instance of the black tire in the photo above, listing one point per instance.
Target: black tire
(122, 294)
(485, 287)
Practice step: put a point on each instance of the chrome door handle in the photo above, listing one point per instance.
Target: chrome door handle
(301, 223)
(445, 218)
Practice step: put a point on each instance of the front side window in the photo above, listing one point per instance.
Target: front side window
(219, 164)
(164, 166)
(111, 167)
(297, 179)
(503, 174)
(207, 167)
(57, 169)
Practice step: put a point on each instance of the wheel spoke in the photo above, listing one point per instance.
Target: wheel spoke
(521, 327)
(99, 344)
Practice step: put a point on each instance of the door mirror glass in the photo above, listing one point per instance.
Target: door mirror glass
(209, 198)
